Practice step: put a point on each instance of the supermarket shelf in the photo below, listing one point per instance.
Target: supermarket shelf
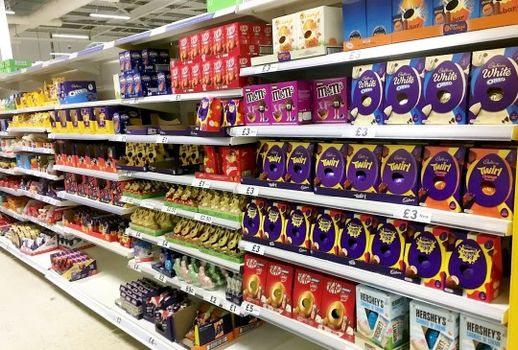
(216, 297)
(39, 174)
(496, 311)
(399, 132)
(96, 204)
(27, 110)
(13, 214)
(89, 104)
(315, 335)
(27, 129)
(40, 262)
(7, 155)
(186, 180)
(183, 97)
(391, 50)
(11, 171)
(46, 199)
(461, 221)
(113, 247)
(185, 140)
(11, 191)
(158, 204)
(94, 173)
(41, 150)
(88, 137)
(192, 252)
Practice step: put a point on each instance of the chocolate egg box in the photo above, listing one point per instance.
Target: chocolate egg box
(489, 183)
(474, 267)
(274, 223)
(330, 100)
(367, 94)
(253, 217)
(445, 90)
(403, 92)
(325, 232)
(330, 168)
(493, 97)
(442, 173)
(255, 275)
(300, 221)
(308, 287)
(279, 286)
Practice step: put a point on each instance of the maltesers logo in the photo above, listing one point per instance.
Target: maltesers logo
(304, 278)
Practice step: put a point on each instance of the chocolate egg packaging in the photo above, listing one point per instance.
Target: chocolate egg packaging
(255, 275)
(476, 333)
(274, 223)
(445, 89)
(489, 182)
(257, 104)
(404, 99)
(326, 231)
(291, 102)
(330, 168)
(475, 267)
(272, 155)
(493, 95)
(400, 169)
(253, 218)
(354, 240)
(409, 15)
(441, 178)
(363, 168)
(337, 309)
(279, 288)
(367, 94)
(426, 255)
(308, 287)
(298, 228)
(381, 317)
(299, 164)
(330, 100)
(432, 327)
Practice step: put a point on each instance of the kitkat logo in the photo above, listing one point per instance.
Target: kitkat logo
(304, 278)
(275, 270)
(243, 61)
(333, 287)
(206, 67)
(217, 65)
(185, 70)
(251, 263)
(256, 29)
(231, 30)
(205, 37)
(183, 42)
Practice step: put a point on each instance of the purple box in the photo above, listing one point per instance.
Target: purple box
(363, 167)
(163, 83)
(367, 94)
(130, 85)
(400, 170)
(493, 95)
(154, 56)
(330, 100)
(446, 89)
(404, 101)
(258, 104)
(145, 84)
(299, 163)
(291, 102)
(272, 156)
(122, 85)
(130, 60)
(330, 166)
(77, 92)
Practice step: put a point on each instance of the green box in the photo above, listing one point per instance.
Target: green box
(215, 5)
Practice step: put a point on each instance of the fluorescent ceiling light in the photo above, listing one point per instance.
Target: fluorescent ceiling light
(59, 54)
(9, 12)
(70, 36)
(104, 15)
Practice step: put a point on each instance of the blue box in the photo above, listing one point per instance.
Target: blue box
(379, 18)
(354, 14)
(130, 60)
(77, 91)
(154, 56)
(411, 15)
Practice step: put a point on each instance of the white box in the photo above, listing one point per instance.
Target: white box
(285, 33)
(320, 26)
(475, 333)
(432, 327)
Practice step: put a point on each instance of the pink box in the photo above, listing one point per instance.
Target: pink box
(258, 104)
(291, 102)
(331, 101)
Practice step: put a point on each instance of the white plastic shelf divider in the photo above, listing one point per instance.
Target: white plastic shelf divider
(27, 110)
(87, 137)
(390, 50)
(88, 104)
(27, 129)
(39, 174)
(13, 214)
(40, 262)
(7, 154)
(114, 247)
(399, 132)
(495, 311)
(315, 335)
(186, 180)
(216, 297)
(96, 204)
(183, 97)
(192, 252)
(461, 221)
(11, 171)
(94, 173)
(11, 191)
(34, 150)
(185, 140)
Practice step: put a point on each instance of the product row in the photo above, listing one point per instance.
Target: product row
(37, 186)
(104, 191)
(358, 313)
(477, 181)
(463, 263)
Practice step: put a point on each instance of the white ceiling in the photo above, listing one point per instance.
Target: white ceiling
(38, 18)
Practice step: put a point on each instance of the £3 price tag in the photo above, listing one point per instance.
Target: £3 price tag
(413, 214)
(360, 132)
(160, 277)
(162, 139)
(247, 131)
(255, 248)
(248, 190)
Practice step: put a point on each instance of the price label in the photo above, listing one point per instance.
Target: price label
(176, 98)
(73, 55)
(361, 132)
(203, 218)
(255, 248)
(117, 319)
(234, 308)
(151, 340)
(201, 183)
(121, 138)
(248, 190)
(354, 55)
(108, 45)
(251, 309)
(161, 277)
(163, 139)
(147, 204)
(247, 131)
(267, 68)
(212, 299)
(170, 210)
(157, 31)
(413, 214)
(137, 234)
(136, 266)
(164, 243)
(189, 289)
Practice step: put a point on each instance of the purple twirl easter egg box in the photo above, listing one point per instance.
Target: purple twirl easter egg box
(404, 99)
(363, 167)
(367, 97)
(272, 155)
(493, 97)
(291, 102)
(299, 163)
(441, 178)
(330, 167)
(446, 88)
(258, 105)
(330, 101)
(400, 169)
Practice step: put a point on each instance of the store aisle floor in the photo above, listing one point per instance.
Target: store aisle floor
(36, 315)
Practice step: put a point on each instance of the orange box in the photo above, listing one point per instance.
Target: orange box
(279, 287)
(183, 48)
(194, 46)
(491, 8)
(338, 307)
(308, 287)
(255, 275)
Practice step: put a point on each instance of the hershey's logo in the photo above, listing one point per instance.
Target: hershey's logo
(484, 331)
(431, 317)
(372, 300)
